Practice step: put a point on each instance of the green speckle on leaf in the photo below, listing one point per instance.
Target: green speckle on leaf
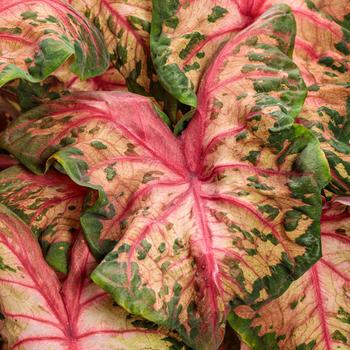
(343, 48)
(5, 267)
(343, 315)
(121, 55)
(252, 157)
(216, 13)
(110, 173)
(161, 247)
(29, 15)
(194, 39)
(177, 246)
(310, 4)
(242, 135)
(309, 346)
(339, 336)
(313, 88)
(293, 304)
(172, 22)
(291, 220)
(165, 266)
(194, 66)
(270, 211)
(98, 145)
(139, 23)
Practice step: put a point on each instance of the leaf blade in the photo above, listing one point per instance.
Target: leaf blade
(181, 223)
(312, 313)
(51, 205)
(43, 313)
(48, 35)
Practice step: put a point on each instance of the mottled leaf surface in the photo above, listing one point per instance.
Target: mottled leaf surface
(227, 215)
(125, 25)
(186, 36)
(315, 311)
(322, 53)
(37, 37)
(41, 314)
(51, 205)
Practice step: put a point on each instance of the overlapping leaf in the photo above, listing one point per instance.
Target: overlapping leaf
(40, 314)
(51, 205)
(314, 313)
(37, 37)
(125, 26)
(227, 215)
(322, 54)
(185, 38)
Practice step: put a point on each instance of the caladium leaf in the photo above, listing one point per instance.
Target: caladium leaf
(41, 314)
(125, 26)
(229, 214)
(315, 311)
(39, 36)
(186, 36)
(322, 54)
(51, 205)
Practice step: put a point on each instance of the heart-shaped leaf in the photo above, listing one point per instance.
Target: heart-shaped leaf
(229, 214)
(315, 311)
(37, 37)
(51, 205)
(40, 314)
(186, 36)
(322, 54)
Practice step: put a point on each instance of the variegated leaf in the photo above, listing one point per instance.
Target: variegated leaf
(322, 54)
(314, 314)
(125, 26)
(51, 205)
(40, 314)
(186, 36)
(227, 215)
(37, 37)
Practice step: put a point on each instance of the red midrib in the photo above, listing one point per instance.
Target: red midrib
(53, 201)
(32, 274)
(131, 202)
(125, 23)
(176, 168)
(212, 271)
(320, 307)
(252, 210)
(173, 205)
